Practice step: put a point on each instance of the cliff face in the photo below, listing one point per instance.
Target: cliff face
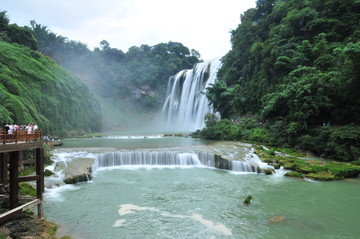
(34, 89)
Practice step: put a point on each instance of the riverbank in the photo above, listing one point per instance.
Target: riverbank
(302, 167)
(26, 226)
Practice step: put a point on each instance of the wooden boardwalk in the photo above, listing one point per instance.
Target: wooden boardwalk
(19, 136)
(12, 148)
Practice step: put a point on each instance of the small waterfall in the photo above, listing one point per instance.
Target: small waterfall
(239, 166)
(110, 159)
(171, 158)
(185, 105)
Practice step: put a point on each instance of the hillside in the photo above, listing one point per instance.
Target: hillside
(34, 89)
(294, 67)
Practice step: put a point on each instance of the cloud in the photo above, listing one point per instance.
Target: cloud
(203, 25)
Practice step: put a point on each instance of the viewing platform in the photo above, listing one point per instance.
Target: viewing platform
(12, 148)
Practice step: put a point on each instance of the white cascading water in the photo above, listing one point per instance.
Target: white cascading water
(120, 158)
(185, 105)
(165, 158)
(240, 166)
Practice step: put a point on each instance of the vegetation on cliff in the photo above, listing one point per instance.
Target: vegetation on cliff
(34, 89)
(294, 65)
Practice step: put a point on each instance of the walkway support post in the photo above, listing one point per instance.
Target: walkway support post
(39, 156)
(14, 174)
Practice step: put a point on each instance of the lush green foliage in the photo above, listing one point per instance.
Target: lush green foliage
(27, 189)
(295, 64)
(140, 75)
(342, 143)
(34, 89)
(247, 129)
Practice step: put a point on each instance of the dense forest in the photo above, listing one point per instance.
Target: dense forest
(34, 89)
(292, 78)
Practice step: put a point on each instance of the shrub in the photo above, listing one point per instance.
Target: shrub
(341, 143)
(221, 130)
(27, 189)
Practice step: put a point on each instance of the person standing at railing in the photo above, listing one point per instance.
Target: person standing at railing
(29, 128)
(6, 127)
(11, 127)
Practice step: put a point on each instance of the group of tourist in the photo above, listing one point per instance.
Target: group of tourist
(12, 128)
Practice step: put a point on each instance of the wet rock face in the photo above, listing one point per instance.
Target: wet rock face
(221, 163)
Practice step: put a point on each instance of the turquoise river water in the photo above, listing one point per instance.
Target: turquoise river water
(197, 202)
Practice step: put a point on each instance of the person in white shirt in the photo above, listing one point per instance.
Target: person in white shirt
(10, 131)
(29, 129)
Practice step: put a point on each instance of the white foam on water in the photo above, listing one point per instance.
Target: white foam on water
(149, 167)
(55, 193)
(310, 180)
(210, 225)
(242, 173)
(131, 208)
(133, 137)
(119, 223)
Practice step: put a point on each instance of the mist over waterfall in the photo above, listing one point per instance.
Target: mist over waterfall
(185, 105)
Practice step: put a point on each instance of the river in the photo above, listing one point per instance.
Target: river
(195, 201)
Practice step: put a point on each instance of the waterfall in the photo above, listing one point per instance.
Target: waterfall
(185, 105)
(239, 166)
(110, 159)
(170, 158)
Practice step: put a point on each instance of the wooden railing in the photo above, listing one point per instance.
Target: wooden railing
(19, 136)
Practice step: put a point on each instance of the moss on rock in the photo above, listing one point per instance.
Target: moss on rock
(294, 174)
(314, 169)
(48, 173)
(322, 176)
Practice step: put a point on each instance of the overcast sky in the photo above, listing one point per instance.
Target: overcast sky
(203, 25)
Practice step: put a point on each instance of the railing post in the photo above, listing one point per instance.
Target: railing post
(14, 184)
(3, 136)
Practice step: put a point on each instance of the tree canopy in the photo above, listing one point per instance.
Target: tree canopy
(295, 65)
(294, 60)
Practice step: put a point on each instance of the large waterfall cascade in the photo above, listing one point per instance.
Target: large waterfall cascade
(186, 105)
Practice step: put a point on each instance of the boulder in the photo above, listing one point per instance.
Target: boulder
(78, 170)
(277, 219)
